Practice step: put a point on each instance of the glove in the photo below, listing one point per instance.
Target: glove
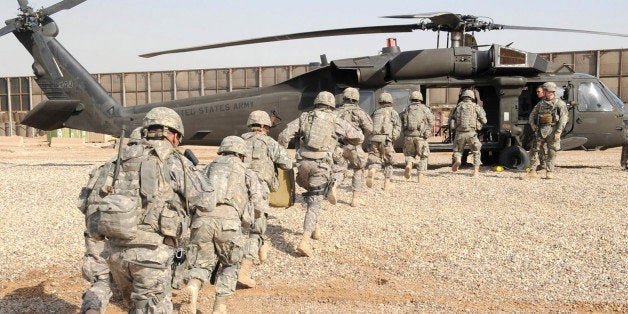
(557, 136)
(533, 127)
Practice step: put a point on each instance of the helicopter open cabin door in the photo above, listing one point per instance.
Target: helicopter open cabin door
(598, 115)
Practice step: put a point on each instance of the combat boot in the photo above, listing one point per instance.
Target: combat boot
(355, 201)
(388, 185)
(220, 305)
(530, 175)
(406, 174)
(331, 197)
(244, 275)
(476, 171)
(189, 297)
(263, 252)
(369, 177)
(549, 174)
(456, 164)
(316, 235)
(304, 247)
(420, 177)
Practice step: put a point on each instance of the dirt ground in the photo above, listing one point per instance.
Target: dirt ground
(348, 284)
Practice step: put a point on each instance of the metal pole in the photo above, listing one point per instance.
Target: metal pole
(9, 108)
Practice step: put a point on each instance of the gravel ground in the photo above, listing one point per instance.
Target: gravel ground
(455, 243)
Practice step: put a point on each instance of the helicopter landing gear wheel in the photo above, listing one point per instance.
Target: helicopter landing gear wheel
(514, 157)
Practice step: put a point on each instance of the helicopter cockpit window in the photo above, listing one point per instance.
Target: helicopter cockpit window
(614, 97)
(592, 98)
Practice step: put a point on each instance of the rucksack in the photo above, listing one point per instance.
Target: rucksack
(140, 195)
(466, 117)
(382, 121)
(227, 175)
(414, 116)
(259, 161)
(319, 131)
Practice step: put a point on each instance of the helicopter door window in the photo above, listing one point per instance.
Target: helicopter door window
(591, 98)
(367, 101)
(401, 99)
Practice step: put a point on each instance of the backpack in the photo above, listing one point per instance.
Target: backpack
(140, 195)
(382, 122)
(259, 161)
(319, 131)
(227, 174)
(466, 117)
(413, 118)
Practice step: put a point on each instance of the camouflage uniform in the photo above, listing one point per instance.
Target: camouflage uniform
(95, 268)
(416, 134)
(315, 166)
(466, 119)
(167, 189)
(381, 147)
(141, 267)
(216, 236)
(547, 119)
(264, 167)
(353, 156)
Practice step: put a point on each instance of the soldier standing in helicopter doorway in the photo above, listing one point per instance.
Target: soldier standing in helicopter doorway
(547, 120)
(466, 119)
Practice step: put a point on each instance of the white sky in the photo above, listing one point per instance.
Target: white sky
(108, 35)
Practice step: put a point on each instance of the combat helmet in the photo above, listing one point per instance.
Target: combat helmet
(549, 86)
(468, 93)
(385, 97)
(165, 117)
(233, 144)
(136, 135)
(258, 117)
(325, 98)
(351, 93)
(416, 96)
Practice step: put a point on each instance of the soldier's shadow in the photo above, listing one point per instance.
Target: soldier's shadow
(35, 300)
(276, 234)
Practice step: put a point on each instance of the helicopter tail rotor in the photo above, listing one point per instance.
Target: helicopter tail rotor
(30, 21)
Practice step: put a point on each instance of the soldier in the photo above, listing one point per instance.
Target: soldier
(146, 210)
(466, 119)
(353, 155)
(386, 129)
(319, 131)
(417, 121)
(541, 95)
(263, 155)
(216, 236)
(95, 268)
(547, 119)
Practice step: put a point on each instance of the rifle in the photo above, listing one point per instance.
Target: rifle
(212, 279)
(116, 171)
(190, 156)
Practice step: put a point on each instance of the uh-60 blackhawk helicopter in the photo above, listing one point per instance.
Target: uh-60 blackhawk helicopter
(504, 77)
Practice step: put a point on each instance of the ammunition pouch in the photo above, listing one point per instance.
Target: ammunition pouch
(546, 118)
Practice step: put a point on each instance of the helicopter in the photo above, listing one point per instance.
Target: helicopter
(504, 78)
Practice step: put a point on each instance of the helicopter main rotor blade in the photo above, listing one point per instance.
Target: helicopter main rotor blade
(551, 29)
(314, 34)
(59, 6)
(7, 29)
(441, 18)
(46, 56)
